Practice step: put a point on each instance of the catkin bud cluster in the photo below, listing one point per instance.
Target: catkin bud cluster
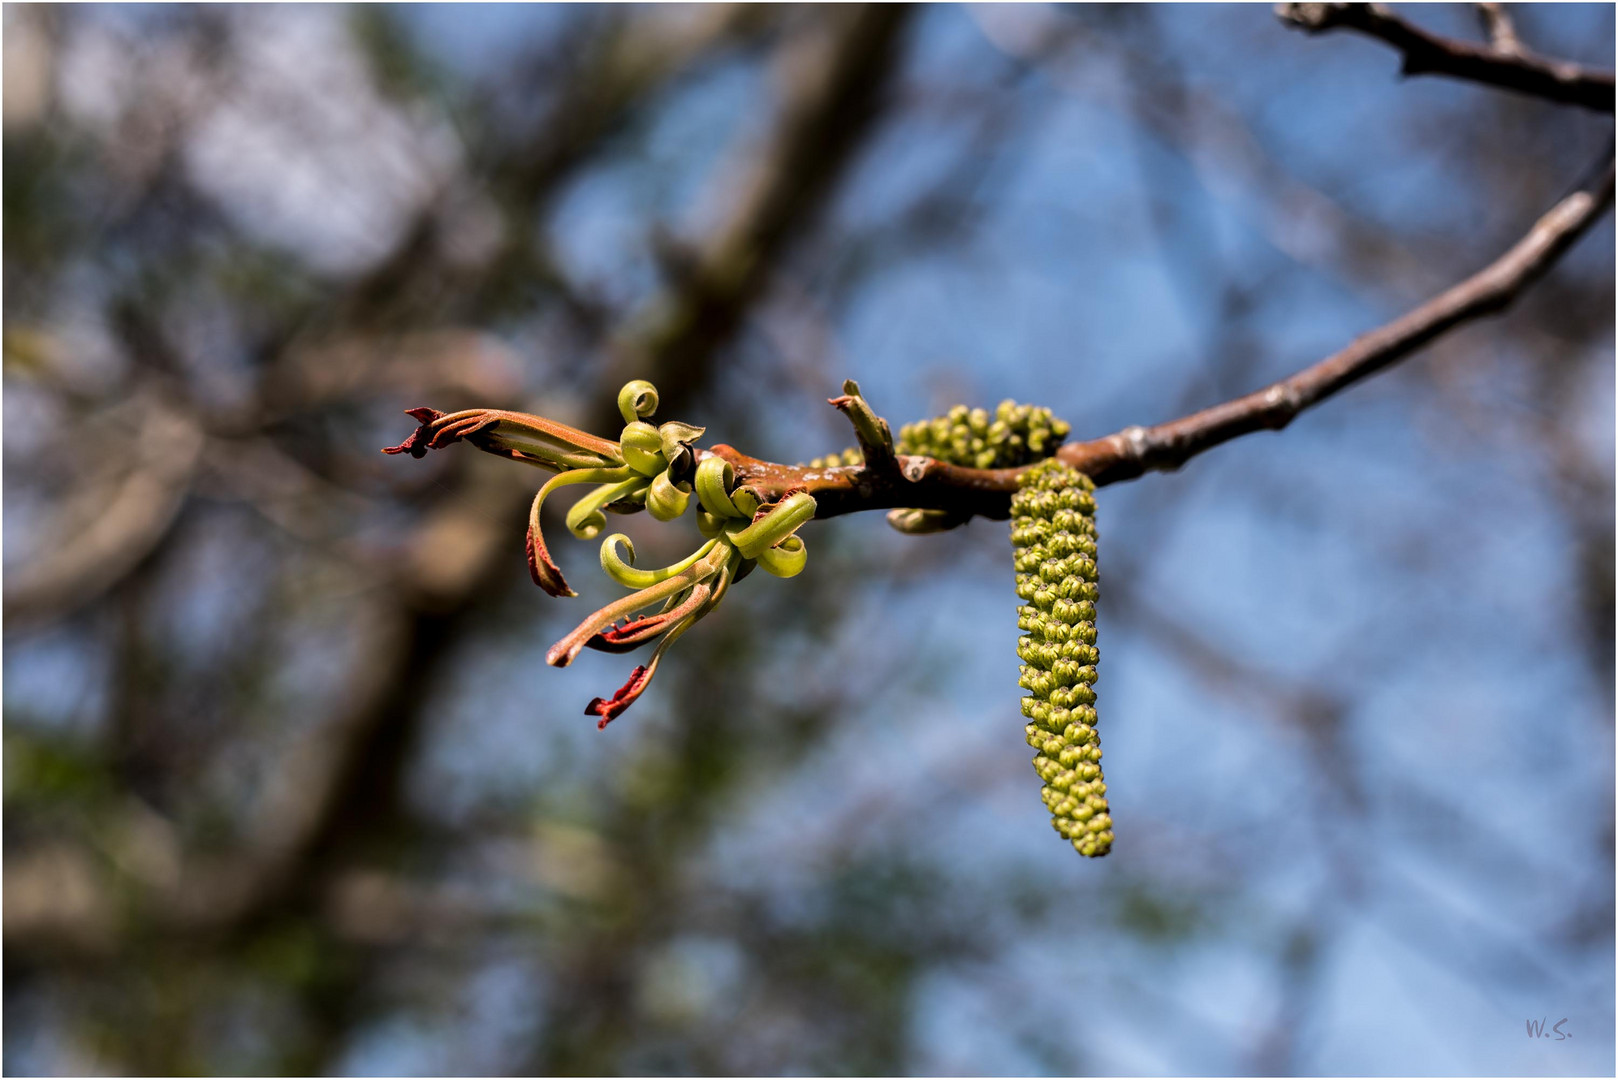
(1013, 435)
(1053, 533)
(851, 456)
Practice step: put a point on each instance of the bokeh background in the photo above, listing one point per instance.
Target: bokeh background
(289, 788)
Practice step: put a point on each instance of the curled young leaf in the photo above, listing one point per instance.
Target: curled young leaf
(674, 434)
(786, 559)
(637, 400)
(746, 500)
(524, 437)
(621, 568)
(715, 478)
(709, 525)
(545, 443)
(665, 500)
(642, 448)
(563, 652)
(775, 524)
(623, 698)
(546, 574)
(586, 520)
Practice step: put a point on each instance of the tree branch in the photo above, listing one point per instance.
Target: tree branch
(108, 533)
(1501, 30)
(1428, 54)
(1490, 291)
(929, 484)
(932, 484)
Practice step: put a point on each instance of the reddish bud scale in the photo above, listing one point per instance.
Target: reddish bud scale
(621, 700)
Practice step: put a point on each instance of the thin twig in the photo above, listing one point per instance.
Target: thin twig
(928, 484)
(1489, 291)
(1501, 30)
(1429, 54)
(932, 484)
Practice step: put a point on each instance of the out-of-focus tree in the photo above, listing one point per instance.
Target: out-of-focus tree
(289, 788)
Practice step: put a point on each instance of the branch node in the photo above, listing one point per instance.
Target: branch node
(1311, 18)
(1137, 441)
(1502, 33)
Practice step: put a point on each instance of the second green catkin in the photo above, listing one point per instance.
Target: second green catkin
(1011, 435)
(1053, 533)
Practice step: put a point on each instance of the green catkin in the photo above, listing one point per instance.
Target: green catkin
(1053, 533)
(1013, 435)
(851, 456)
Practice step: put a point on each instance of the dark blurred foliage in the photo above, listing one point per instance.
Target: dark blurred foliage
(288, 787)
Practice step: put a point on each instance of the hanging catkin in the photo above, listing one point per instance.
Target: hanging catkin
(1054, 535)
(1012, 435)
(1053, 532)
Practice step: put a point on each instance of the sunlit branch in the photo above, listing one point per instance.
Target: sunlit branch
(929, 484)
(1429, 54)
(1501, 30)
(1126, 454)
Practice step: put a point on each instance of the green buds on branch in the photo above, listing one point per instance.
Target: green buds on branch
(1054, 535)
(1014, 435)
(847, 459)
